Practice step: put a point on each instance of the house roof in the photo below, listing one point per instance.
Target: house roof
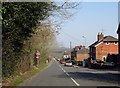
(105, 39)
(110, 39)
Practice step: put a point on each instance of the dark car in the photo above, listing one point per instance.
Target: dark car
(95, 63)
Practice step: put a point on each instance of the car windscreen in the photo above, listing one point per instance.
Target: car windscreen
(68, 61)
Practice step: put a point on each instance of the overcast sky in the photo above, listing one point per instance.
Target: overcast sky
(90, 18)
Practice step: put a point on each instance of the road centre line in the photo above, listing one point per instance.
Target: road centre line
(68, 75)
(62, 69)
(74, 81)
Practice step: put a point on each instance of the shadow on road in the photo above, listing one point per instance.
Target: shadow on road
(109, 68)
(109, 77)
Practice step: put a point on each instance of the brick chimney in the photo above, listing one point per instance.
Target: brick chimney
(100, 36)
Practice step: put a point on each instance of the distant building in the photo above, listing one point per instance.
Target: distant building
(82, 54)
(66, 55)
(78, 47)
(103, 46)
(79, 53)
(73, 54)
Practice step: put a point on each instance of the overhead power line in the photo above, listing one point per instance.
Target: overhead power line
(67, 34)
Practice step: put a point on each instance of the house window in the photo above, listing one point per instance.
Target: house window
(104, 58)
(107, 43)
(115, 43)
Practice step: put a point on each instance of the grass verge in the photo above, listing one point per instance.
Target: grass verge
(21, 78)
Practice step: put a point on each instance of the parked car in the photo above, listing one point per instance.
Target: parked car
(68, 63)
(62, 61)
(108, 64)
(95, 63)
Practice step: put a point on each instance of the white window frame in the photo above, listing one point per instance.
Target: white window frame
(104, 57)
(107, 43)
(115, 43)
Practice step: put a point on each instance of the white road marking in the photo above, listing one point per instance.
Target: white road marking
(62, 68)
(75, 81)
(68, 75)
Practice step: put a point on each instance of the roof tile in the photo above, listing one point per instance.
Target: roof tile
(105, 39)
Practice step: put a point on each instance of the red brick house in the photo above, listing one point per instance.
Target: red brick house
(82, 54)
(103, 46)
(118, 31)
(79, 53)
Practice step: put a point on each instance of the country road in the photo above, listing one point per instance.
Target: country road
(59, 75)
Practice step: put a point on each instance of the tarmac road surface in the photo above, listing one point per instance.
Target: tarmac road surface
(59, 75)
